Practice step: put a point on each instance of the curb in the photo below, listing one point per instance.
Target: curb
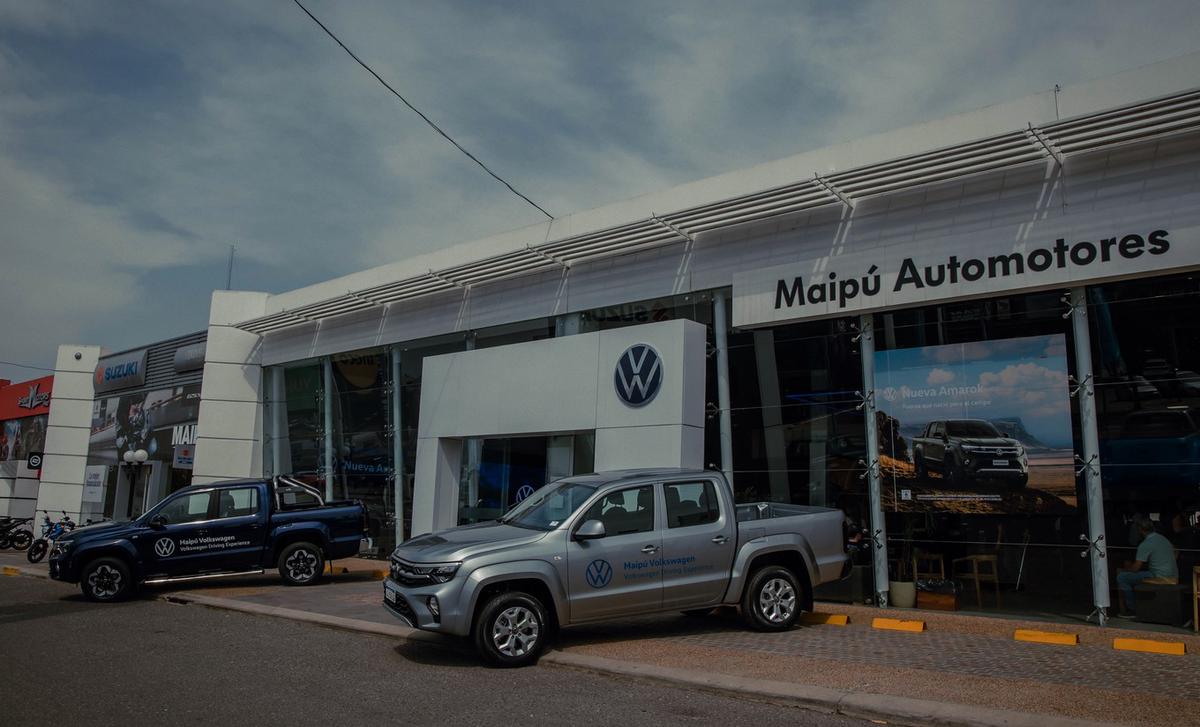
(861, 705)
(892, 709)
(17, 570)
(395, 631)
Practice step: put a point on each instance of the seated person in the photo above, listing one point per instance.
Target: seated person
(1154, 563)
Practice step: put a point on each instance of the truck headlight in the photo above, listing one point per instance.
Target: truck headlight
(440, 573)
(60, 548)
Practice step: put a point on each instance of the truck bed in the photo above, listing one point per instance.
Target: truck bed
(767, 510)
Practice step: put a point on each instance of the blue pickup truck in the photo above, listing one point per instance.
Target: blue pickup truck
(209, 531)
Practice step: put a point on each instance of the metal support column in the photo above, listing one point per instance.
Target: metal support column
(1085, 391)
(280, 439)
(327, 430)
(475, 452)
(878, 533)
(724, 416)
(398, 475)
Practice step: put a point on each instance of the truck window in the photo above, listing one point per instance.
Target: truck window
(550, 506)
(237, 502)
(297, 498)
(625, 511)
(691, 503)
(186, 509)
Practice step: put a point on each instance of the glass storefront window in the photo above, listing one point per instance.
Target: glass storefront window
(797, 433)
(1146, 362)
(294, 411)
(510, 469)
(978, 433)
(362, 452)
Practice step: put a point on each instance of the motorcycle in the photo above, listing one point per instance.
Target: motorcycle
(13, 535)
(51, 531)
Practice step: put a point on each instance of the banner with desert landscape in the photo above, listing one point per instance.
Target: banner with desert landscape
(981, 427)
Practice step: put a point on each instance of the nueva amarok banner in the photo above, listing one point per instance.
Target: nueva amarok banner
(981, 427)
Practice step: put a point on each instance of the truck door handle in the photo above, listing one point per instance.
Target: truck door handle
(649, 548)
(720, 539)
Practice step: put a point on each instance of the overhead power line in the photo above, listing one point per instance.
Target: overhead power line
(25, 366)
(417, 111)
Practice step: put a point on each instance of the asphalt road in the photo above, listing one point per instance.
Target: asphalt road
(68, 661)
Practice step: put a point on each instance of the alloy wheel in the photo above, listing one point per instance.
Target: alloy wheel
(515, 631)
(105, 582)
(302, 565)
(777, 600)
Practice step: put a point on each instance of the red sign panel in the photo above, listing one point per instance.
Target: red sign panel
(26, 399)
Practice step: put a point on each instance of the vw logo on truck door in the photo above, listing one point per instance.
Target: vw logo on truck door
(638, 375)
(164, 547)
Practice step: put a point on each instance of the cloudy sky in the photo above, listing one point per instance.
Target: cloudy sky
(138, 140)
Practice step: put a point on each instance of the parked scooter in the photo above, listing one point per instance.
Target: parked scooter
(51, 531)
(13, 534)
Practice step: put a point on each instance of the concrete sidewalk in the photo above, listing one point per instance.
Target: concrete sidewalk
(961, 670)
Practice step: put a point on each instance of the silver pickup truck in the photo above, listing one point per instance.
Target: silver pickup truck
(611, 545)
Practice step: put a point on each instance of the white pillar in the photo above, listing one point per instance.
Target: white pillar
(398, 474)
(281, 443)
(724, 415)
(327, 429)
(435, 501)
(1091, 451)
(878, 532)
(229, 429)
(68, 429)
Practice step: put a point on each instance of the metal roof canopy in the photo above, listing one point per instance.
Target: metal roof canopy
(1167, 116)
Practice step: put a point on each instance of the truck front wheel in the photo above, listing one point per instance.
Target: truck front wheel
(301, 564)
(772, 599)
(511, 629)
(105, 579)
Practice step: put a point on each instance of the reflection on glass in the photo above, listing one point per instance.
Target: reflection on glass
(1146, 358)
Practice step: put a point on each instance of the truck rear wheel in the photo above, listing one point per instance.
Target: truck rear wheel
(511, 629)
(105, 580)
(301, 564)
(772, 599)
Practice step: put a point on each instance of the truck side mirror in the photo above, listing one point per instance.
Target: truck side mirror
(158, 522)
(590, 530)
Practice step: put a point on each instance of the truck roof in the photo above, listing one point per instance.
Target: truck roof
(223, 483)
(635, 474)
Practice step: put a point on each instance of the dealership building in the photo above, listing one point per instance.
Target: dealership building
(24, 410)
(978, 336)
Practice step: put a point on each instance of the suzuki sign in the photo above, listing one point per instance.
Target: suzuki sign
(122, 371)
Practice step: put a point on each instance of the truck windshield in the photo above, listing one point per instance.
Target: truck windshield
(549, 507)
(970, 428)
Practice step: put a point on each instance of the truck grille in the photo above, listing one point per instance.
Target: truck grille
(401, 607)
(993, 451)
(405, 574)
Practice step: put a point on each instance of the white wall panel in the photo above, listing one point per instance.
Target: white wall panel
(233, 381)
(66, 440)
(67, 430)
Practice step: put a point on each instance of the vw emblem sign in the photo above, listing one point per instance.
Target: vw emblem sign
(164, 547)
(524, 491)
(638, 375)
(599, 573)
